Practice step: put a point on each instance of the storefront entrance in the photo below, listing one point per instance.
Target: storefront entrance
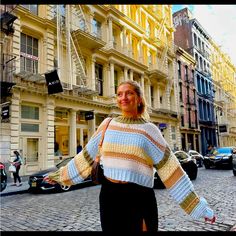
(31, 155)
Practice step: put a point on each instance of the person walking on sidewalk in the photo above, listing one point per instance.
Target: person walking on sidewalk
(17, 162)
(132, 147)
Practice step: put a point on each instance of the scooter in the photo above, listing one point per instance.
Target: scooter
(3, 177)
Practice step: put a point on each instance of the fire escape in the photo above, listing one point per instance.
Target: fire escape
(7, 59)
(160, 68)
(78, 34)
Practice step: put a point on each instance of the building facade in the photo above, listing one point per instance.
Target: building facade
(189, 127)
(92, 48)
(224, 78)
(192, 37)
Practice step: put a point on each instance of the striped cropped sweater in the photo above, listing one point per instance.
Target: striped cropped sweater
(130, 150)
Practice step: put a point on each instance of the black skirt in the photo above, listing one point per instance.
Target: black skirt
(123, 207)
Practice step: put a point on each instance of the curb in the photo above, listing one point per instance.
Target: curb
(13, 193)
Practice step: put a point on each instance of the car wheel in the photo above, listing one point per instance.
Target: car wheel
(207, 166)
(65, 188)
(3, 185)
(234, 172)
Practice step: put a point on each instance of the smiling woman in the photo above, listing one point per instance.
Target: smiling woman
(133, 148)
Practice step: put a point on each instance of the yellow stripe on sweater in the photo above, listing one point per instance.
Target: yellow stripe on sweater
(190, 202)
(135, 152)
(169, 168)
(174, 177)
(138, 131)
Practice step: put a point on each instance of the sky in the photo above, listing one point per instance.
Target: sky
(219, 21)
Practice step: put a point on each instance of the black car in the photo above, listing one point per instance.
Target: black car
(3, 176)
(187, 162)
(222, 156)
(234, 161)
(36, 182)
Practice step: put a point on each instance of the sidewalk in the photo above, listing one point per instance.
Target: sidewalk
(10, 190)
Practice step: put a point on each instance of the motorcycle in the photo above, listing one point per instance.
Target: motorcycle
(3, 177)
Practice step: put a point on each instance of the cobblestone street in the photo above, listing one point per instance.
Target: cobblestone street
(78, 210)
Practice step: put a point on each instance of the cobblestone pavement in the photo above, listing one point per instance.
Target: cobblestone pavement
(78, 210)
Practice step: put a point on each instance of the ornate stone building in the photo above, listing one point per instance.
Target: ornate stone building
(93, 48)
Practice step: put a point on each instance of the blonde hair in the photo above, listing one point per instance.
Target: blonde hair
(142, 107)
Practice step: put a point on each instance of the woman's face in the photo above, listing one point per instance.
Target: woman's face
(128, 100)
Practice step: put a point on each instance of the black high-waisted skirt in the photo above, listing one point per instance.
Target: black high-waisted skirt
(123, 207)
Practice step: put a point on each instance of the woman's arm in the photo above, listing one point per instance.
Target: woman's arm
(79, 168)
(181, 188)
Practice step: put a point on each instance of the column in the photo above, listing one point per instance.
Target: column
(130, 53)
(124, 40)
(91, 16)
(142, 84)
(110, 32)
(81, 134)
(91, 127)
(131, 74)
(72, 140)
(125, 73)
(106, 79)
(112, 82)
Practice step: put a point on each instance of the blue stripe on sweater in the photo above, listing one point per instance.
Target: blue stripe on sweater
(134, 139)
(181, 189)
(73, 173)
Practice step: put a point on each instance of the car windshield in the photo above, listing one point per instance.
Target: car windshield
(64, 162)
(223, 150)
(181, 155)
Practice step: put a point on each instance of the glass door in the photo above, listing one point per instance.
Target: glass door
(31, 155)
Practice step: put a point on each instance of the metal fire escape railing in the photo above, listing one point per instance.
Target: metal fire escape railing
(73, 49)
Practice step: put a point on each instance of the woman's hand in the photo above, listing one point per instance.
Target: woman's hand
(48, 180)
(211, 220)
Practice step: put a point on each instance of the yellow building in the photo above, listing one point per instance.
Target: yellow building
(93, 48)
(224, 77)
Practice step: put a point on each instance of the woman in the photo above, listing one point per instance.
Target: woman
(132, 146)
(17, 163)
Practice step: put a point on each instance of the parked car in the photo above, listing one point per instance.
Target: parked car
(36, 182)
(234, 161)
(222, 156)
(196, 155)
(187, 162)
(3, 176)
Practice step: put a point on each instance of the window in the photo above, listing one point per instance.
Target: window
(32, 8)
(99, 78)
(29, 127)
(173, 132)
(179, 69)
(28, 53)
(152, 96)
(186, 73)
(96, 28)
(195, 39)
(29, 112)
(116, 80)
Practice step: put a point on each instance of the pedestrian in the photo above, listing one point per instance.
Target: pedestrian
(211, 150)
(57, 151)
(17, 162)
(132, 146)
(79, 149)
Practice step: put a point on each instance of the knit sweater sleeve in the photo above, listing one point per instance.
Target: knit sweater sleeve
(79, 168)
(180, 187)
